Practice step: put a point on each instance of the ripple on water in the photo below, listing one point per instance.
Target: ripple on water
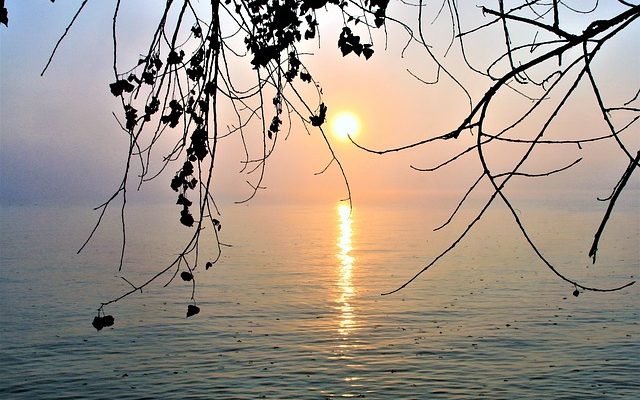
(283, 320)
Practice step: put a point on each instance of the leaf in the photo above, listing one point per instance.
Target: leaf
(318, 120)
(310, 33)
(197, 31)
(186, 276)
(187, 168)
(175, 58)
(98, 323)
(186, 218)
(367, 51)
(157, 62)
(183, 200)
(120, 86)
(576, 293)
(4, 16)
(306, 77)
(208, 265)
(133, 78)
(174, 116)
(131, 117)
(195, 73)
(192, 184)
(108, 320)
(263, 55)
(192, 310)
(102, 322)
(345, 48)
(313, 4)
(176, 182)
(275, 125)
(209, 88)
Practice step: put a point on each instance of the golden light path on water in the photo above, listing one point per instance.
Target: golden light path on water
(346, 291)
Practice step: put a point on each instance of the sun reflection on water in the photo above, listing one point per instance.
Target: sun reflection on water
(347, 315)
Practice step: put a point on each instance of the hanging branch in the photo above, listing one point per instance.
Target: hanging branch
(597, 32)
(186, 77)
(183, 81)
(619, 187)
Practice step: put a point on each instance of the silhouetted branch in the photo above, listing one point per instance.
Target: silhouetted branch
(188, 74)
(619, 186)
(66, 31)
(597, 33)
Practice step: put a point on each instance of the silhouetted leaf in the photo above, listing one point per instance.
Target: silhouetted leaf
(576, 293)
(306, 77)
(192, 310)
(199, 143)
(176, 182)
(263, 55)
(102, 322)
(120, 86)
(108, 320)
(151, 108)
(367, 51)
(174, 57)
(183, 200)
(187, 168)
(195, 73)
(345, 48)
(275, 125)
(186, 218)
(186, 276)
(131, 117)
(98, 323)
(157, 62)
(209, 88)
(310, 33)
(4, 16)
(208, 265)
(192, 183)
(380, 13)
(133, 78)
(197, 31)
(317, 120)
(174, 116)
(148, 77)
(312, 4)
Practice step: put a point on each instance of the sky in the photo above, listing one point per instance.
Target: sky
(61, 145)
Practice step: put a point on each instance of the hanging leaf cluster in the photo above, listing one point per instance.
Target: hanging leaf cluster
(276, 27)
(100, 322)
(178, 84)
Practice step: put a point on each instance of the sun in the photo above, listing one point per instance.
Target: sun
(345, 124)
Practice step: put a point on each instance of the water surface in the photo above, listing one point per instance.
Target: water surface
(293, 309)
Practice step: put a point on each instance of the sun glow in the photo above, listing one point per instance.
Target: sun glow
(347, 315)
(345, 124)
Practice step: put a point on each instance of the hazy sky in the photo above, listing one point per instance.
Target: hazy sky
(61, 145)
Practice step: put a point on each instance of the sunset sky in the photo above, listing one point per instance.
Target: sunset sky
(61, 145)
(399, 293)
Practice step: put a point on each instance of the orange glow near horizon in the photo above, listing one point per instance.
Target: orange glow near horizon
(346, 317)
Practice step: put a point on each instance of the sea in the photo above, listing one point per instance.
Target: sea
(293, 309)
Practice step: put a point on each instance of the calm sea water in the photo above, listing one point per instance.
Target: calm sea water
(293, 310)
